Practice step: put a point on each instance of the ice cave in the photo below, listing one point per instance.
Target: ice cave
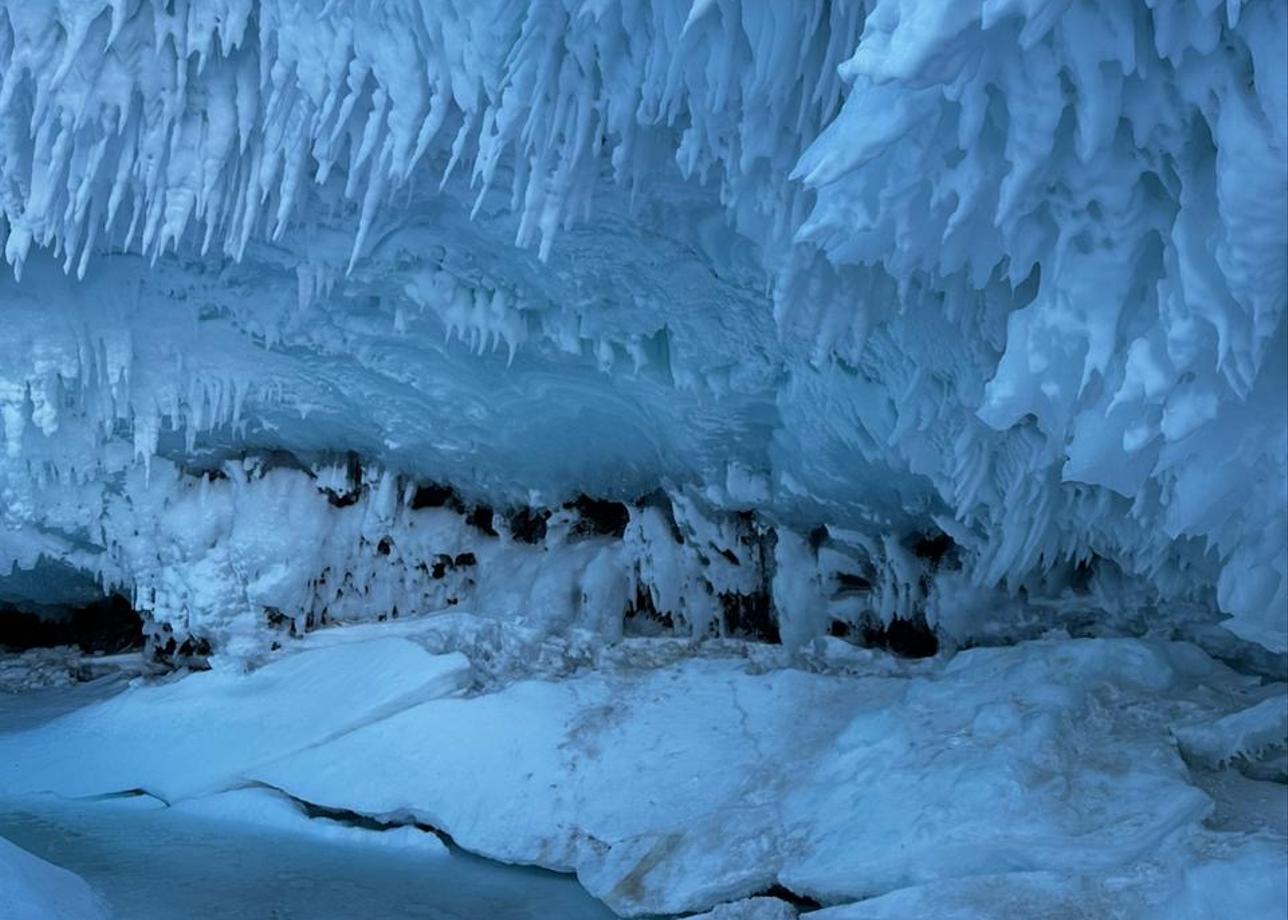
(570, 459)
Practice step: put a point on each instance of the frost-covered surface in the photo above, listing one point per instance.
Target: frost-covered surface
(1021, 758)
(198, 734)
(1044, 773)
(1011, 270)
(1240, 877)
(33, 889)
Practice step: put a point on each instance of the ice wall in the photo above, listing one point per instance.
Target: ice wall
(1012, 271)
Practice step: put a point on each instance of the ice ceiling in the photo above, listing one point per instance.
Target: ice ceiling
(1012, 272)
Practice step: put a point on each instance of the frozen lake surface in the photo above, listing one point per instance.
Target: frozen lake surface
(149, 863)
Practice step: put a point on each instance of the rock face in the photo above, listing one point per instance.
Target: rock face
(1011, 273)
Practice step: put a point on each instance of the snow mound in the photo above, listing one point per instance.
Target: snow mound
(1243, 878)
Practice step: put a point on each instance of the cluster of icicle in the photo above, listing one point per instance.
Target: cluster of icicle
(252, 549)
(135, 123)
(1051, 232)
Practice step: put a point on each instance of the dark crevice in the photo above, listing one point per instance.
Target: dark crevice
(481, 519)
(934, 548)
(107, 626)
(750, 616)
(643, 618)
(905, 638)
(849, 583)
(193, 652)
(782, 893)
(136, 793)
(434, 495)
(599, 518)
(341, 500)
(528, 525)
(366, 822)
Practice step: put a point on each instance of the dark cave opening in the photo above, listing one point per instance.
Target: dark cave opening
(108, 626)
(904, 638)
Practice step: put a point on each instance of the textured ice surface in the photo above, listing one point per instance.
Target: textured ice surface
(223, 862)
(32, 889)
(1013, 270)
(200, 733)
(672, 789)
(677, 786)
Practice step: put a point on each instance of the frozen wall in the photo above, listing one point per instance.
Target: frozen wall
(1013, 271)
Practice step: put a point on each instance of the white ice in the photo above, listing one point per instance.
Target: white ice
(32, 889)
(1013, 270)
(323, 317)
(1042, 773)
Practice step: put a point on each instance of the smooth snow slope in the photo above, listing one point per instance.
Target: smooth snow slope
(1013, 270)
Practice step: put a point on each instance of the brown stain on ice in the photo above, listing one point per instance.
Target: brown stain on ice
(631, 887)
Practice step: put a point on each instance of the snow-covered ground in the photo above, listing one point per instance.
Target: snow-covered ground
(1057, 775)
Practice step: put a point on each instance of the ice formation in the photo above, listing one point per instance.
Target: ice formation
(634, 348)
(34, 890)
(1024, 780)
(1012, 271)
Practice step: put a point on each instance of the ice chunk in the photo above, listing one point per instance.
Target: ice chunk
(1008, 759)
(203, 733)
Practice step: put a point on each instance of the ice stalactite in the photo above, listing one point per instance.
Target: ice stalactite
(1012, 271)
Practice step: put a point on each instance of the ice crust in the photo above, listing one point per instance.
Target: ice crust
(676, 788)
(1038, 775)
(33, 889)
(199, 734)
(1011, 269)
